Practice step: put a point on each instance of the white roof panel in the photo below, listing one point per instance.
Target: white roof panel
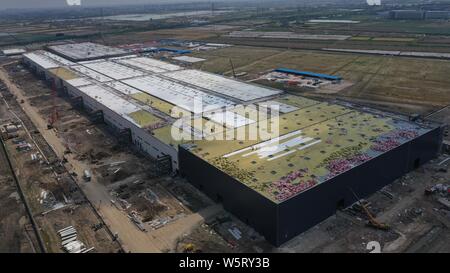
(114, 70)
(183, 96)
(88, 50)
(47, 60)
(123, 88)
(150, 65)
(188, 59)
(229, 119)
(42, 60)
(91, 73)
(80, 82)
(110, 100)
(222, 85)
(14, 51)
(57, 58)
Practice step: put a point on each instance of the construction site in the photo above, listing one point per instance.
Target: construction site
(142, 141)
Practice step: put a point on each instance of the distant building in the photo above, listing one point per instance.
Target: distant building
(407, 14)
(13, 51)
(418, 15)
(437, 15)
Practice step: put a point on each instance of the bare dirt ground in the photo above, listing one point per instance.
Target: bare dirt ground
(99, 148)
(16, 233)
(413, 84)
(52, 196)
(418, 222)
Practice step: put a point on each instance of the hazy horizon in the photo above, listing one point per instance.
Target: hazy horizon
(45, 4)
(41, 4)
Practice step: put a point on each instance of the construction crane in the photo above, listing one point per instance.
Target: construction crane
(101, 27)
(19, 41)
(373, 222)
(54, 113)
(232, 68)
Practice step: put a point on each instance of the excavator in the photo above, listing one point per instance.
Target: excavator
(54, 114)
(191, 248)
(372, 221)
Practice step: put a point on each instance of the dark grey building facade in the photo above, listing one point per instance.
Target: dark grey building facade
(280, 222)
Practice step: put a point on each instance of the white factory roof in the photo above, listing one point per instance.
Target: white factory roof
(47, 60)
(150, 65)
(123, 57)
(111, 80)
(42, 60)
(91, 61)
(123, 88)
(188, 59)
(222, 85)
(112, 101)
(88, 50)
(91, 73)
(80, 82)
(57, 58)
(13, 51)
(178, 94)
(229, 119)
(114, 70)
(108, 59)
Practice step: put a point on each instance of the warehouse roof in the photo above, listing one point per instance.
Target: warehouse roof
(114, 70)
(47, 60)
(229, 87)
(308, 74)
(315, 143)
(130, 111)
(150, 65)
(86, 51)
(178, 94)
(13, 51)
(91, 73)
(188, 59)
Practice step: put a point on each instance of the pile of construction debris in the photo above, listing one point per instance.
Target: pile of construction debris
(47, 199)
(70, 243)
(9, 130)
(442, 193)
(162, 221)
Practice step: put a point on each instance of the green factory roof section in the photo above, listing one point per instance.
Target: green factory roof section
(316, 143)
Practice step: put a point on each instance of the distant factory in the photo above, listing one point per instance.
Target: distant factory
(418, 15)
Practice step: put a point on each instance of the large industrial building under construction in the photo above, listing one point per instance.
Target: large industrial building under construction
(327, 155)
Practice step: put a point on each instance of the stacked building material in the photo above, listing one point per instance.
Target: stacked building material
(69, 241)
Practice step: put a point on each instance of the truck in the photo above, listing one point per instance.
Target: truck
(87, 175)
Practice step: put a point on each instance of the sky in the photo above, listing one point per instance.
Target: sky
(7, 4)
